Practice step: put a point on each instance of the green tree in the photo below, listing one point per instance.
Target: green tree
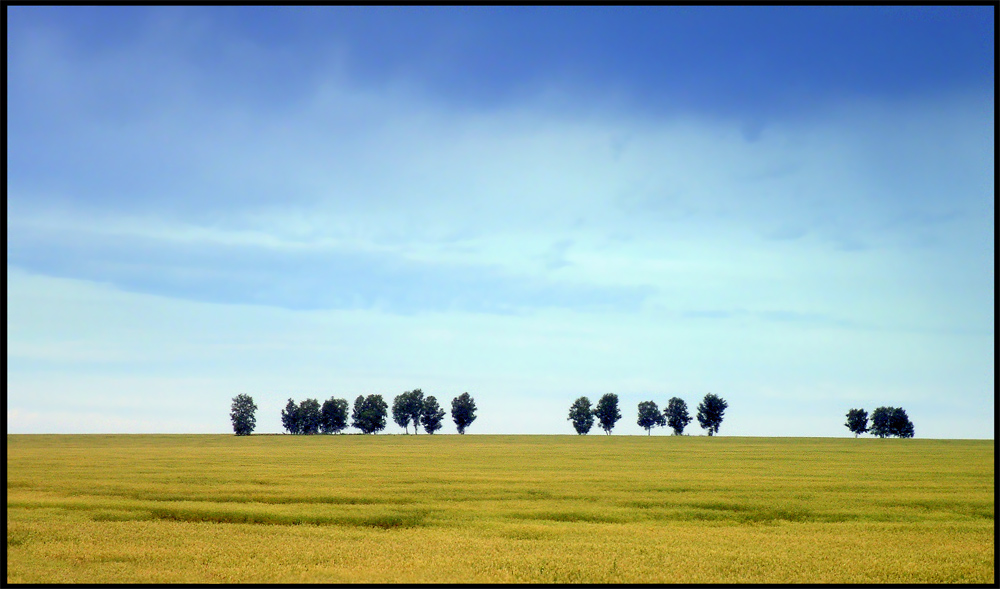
(582, 415)
(370, 413)
(242, 415)
(899, 424)
(676, 414)
(463, 411)
(607, 412)
(406, 408)
(880, 422)
(710, 412)
(857, 421)
(334, 416)
(650, 416)
(399, 414)
(431, 414)
(310, 417)
(290, 417)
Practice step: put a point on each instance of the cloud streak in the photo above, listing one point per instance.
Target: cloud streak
(746, 203)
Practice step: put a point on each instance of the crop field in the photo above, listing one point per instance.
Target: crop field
(490, 508)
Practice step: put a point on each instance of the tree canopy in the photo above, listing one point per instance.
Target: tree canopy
(857, 421)
(463, 411)
(650, 416)
(676, 414)
(406, 409)
(431, 414)
(607, 412)
(310, 416)
(290, 417)
(242, 415)
(891, 421)
(333, 416)
(369, 413)
(582, 415)
(710, 412)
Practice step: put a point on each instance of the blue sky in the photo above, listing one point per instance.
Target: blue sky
(790, 207)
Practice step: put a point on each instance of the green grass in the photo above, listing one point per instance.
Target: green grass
(205, 508)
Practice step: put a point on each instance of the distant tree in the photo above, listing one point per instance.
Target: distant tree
(899, 424)
(582, 415)
(607, 412)
(310, 417)
(431, 415)
(676, 414)
(399, 414)
(880, 422)
(290, 418)
(857, 421)
(463, 411)
(650, 416)
(242, 414)
(334, 416)
(710, 412)
(370, 413)
(406, 408)
(357, 414)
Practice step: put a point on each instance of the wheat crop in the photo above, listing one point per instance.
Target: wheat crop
(490, 508)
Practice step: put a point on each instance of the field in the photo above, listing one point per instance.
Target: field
(482, 508)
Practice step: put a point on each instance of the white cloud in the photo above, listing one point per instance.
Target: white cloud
(517, 253)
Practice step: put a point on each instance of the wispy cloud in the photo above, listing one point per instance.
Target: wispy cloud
(603, 201)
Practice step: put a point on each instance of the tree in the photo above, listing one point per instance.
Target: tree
(431, 415)
(406, 408)
(857, 421)
(607, 412)
(399, 414)
(463, 411)
(880, 422)
(676, 414)
(333, 416)
(310, 417)
(891, 421)
(242, 414)
(370, 413)
(582, 415)
(290, 417)
(710, 412)
(899, 424)
(650, 416)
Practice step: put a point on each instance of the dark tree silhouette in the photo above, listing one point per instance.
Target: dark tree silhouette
(463, 411)
(431, 414)
(676, 414)
(710, 412)
(334, 416)
(582, 415)
(310, 417)
(369, 413)
(406, 408)
(650, 416)
(290, 417)
(242, 415)
(880, 422)
(900, 424)
(607, 412)
(857, 421)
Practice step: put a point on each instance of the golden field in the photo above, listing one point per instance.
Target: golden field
(492, 508)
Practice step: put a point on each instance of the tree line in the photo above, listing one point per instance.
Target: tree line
(368, 415)
(675, 414)
(412, 408)
(886, 422)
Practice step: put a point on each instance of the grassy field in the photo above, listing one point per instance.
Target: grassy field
(207, 508)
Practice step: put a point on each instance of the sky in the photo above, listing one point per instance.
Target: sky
(789, 207)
